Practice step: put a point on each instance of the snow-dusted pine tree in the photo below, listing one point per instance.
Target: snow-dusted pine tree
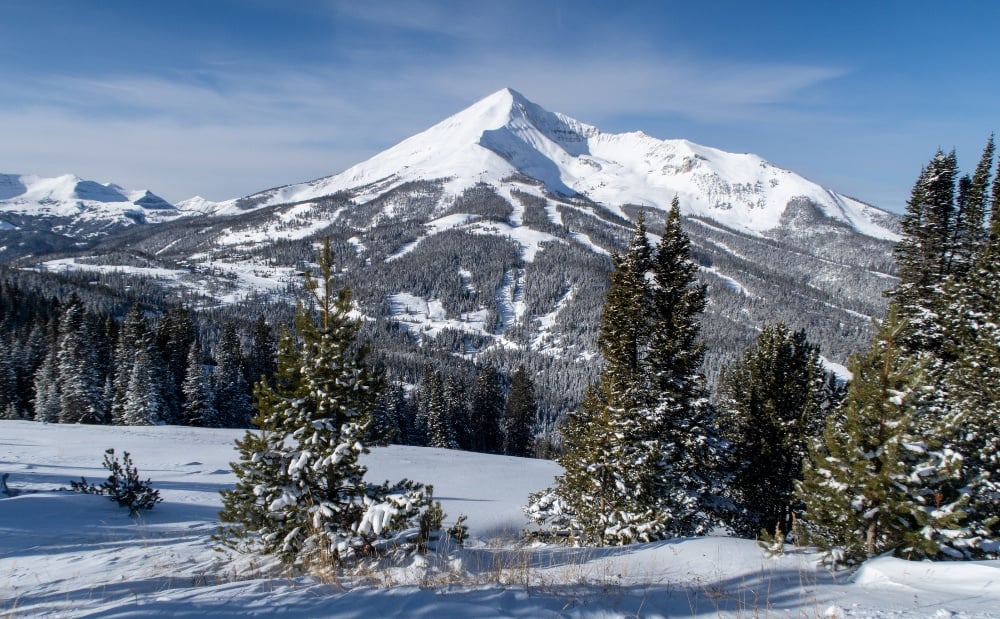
(487, 407)
(972, 380)
(81, 372)
(597, 497)
(969, 233)
(144, 403)
(8, 383)
(387, 418)
(877, 479)
(198, 404)
(133, 334)
(640, 447)
(173, 338)
(232, 395)
(440, 432)
(260, 359)
(923, 254)
(300, 491)
(684, 446)
(46, 385)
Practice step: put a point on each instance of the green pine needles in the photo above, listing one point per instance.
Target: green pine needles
(123, 485)
(909, 463)
(301, 493)
(640, 447)
(876, 481)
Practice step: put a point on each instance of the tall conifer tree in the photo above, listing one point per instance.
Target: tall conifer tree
(875, 481)
(771, 405)
(639, 447)
(198, 408)
(232, 396)
(132, 335)
(519, 414)
(300, 491)
(924, 254)
(487, 408)
(81, 373)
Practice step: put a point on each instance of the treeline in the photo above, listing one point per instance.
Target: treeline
(62, 362)
(903, 460)
(490, 414)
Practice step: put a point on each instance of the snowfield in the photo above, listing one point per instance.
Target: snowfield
(505, 134)
(71, 555)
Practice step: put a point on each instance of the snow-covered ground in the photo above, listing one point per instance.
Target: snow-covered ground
(71, 555)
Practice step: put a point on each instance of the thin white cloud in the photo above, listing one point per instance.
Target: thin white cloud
(225, 132)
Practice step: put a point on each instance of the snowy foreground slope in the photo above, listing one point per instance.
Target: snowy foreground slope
(64, 554)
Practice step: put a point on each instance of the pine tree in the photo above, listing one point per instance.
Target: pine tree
(873, 483)
(300, 487)
(972, 382)
(33, 355)
(198, 408)
(970, 233)
(8, 384)
(924, 253)
(487, 407)
(519, 413)
(595, 496)
(440, 432)
(174, 335)
(260, 360)
(771, 403)
(425, 398)
(232, 395)
(144, 402)
(456, 405)
(81, 373)
(639, 448)
(387, 423)
(682, 444)
(46, 385)
(132, 335)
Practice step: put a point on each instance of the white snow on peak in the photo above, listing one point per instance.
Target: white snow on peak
(203, 206)
(85, 200)
(506, 134)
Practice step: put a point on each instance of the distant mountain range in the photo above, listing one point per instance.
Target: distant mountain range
(486, 237)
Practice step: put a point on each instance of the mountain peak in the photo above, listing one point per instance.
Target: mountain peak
(506, 96)
(505, 135)
(76, 200)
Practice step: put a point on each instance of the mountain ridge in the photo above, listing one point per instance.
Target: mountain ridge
(487, 239)
(505, 134)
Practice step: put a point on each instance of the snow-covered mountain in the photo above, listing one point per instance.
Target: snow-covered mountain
(55, 213)
(488, 236)
(505, 136)
(70, 196)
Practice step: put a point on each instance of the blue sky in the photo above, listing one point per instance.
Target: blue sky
(223, 98)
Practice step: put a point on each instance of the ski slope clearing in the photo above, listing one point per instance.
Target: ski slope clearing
(72, 555)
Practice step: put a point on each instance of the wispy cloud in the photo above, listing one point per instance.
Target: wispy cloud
(226, 130)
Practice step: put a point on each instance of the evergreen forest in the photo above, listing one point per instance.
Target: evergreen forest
(904, 457)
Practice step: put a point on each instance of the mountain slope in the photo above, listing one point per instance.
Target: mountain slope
(487, 238)
(61, 212)
(505, 135)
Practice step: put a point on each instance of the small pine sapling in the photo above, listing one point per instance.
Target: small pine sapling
(459, 531)
(430, 526)
(123, 485)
